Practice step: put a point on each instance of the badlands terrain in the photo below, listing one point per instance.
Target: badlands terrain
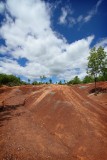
(53, 122)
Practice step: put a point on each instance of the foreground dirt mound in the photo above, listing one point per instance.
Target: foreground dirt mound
(53, 122)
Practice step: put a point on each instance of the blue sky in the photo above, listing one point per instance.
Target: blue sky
(51, 38)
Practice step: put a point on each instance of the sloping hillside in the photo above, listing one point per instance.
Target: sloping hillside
(53, 122)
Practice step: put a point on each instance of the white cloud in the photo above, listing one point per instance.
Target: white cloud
(72, 21)
(92, 12)
(80, 18)
(88, 18)
(28, 34)
(62, 18)
(98, 4)
(103, 43)
(67, 18)
(2, 7)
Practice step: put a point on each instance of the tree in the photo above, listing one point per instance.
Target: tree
(10, 80)
(97, 63)
(88, 79)
(35, 83)
(42, 78)
(50, 81)
(75, 80)
(102, 61)
(60, 82)
(28, 80)
(105, 73)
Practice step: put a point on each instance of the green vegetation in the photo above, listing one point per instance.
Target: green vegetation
(75, 80)
(50, 81)
(35, 83)
(96, 69)
(60, 82)
(42, 78)
(10, 80)
(29, 81)
(88, 79)
(97, 63)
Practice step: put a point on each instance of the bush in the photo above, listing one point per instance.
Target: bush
(75, 80)
(35, 83)
(10, 80)
(60, 82)
(88, 79)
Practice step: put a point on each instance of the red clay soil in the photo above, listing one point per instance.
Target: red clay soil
(53, 122)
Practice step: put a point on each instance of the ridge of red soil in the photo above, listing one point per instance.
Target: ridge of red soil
(53, 122)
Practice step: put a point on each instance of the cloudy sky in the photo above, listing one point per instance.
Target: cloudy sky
(51, 38)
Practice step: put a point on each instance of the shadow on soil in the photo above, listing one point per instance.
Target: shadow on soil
(98, 90)
(6, 113)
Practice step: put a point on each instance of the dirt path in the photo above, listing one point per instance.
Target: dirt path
(51, 123)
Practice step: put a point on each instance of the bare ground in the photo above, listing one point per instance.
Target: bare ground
(53, 122)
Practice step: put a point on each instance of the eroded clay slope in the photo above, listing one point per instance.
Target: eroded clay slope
(52, 122)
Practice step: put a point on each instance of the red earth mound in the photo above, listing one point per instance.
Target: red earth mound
(53, 122)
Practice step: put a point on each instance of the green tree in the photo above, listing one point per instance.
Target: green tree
(102, 56)
(35, 83)
(10, 80)
(64, 82)
(76, 80)
(60, 82)
(50, 81)
(42, 78)
(97, 62)
(88, 79)
(29, 81)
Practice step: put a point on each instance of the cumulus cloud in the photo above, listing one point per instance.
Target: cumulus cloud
(28, 34)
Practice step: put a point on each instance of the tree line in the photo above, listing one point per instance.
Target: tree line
(96, 71)
(10, 80)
